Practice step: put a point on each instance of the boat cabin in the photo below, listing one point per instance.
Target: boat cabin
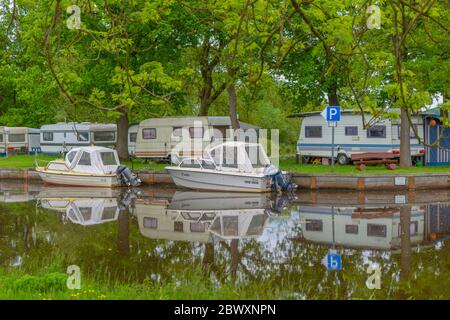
(89, 160)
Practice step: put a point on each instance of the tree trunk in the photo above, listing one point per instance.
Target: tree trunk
(405, 236)
(233, 107)
(205, 93)
(333, 99)
(122, 136)
(405, 142)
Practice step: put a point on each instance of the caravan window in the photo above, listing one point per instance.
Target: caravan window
(376, 230)
(133, 136)
(83, 136)
(313, 132)
(177, 132)
(412, 135)
(314, 225)
(150, 223)
(178, 226)
(351, 131)
(196, 227)
(48, 136)
(351, 228)
(376, 132)
(85, 159)
(16, 137)
(108, 158)
(149, 133)
(104, 136)
(196, 132)
(1, 137)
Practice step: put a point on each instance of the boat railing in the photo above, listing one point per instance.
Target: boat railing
(41, 163)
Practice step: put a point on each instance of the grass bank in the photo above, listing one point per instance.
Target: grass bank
(27, 162)
(16, 285)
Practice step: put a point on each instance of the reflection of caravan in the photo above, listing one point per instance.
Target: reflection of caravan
(84, 211)
(17, 196)
(19, 140)
(373, 228)
(156, 222)
(60, 137)
(157, 137)
(196, 216)
(351, 138)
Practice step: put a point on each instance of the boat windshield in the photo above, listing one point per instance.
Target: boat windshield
(240, 156)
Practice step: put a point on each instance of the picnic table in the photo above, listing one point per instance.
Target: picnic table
(372, 158)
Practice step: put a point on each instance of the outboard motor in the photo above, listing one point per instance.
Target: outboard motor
(127, 177)
(280, 181)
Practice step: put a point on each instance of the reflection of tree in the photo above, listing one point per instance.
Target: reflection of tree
(405, 222)
(123, 241)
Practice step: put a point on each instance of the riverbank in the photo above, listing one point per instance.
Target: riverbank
(305, 176)
(27, 162)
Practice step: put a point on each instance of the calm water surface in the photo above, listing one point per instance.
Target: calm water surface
(156, 234)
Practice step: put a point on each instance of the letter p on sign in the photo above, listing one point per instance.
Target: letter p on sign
(334, 113)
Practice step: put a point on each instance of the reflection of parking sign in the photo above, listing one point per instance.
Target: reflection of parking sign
(332, 261)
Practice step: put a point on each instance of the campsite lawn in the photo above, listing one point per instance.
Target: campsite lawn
(27, 162)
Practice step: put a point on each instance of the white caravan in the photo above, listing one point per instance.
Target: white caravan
(186, 136)
(19, 140)
(314, 141)
(132, 135)
(62, 137)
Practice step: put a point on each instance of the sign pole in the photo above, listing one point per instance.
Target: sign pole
(332, 114)
(332, 149)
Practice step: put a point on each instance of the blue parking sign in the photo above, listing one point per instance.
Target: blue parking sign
(333, 113)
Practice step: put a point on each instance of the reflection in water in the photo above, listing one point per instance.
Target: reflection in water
(198, 216)
(241, 238)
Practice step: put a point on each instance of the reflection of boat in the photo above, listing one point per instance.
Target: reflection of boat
(194, 200)
(371, 227)
(84, 211)
(197, 216)
(85, 206)
(229, 166)
(87, 166)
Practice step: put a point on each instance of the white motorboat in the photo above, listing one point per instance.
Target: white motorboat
(88, 166)
(229, 166)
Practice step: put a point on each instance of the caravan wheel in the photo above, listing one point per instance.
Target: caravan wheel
(342, 159)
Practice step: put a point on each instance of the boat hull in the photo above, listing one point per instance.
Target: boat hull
(70, 179)
(219, 181)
